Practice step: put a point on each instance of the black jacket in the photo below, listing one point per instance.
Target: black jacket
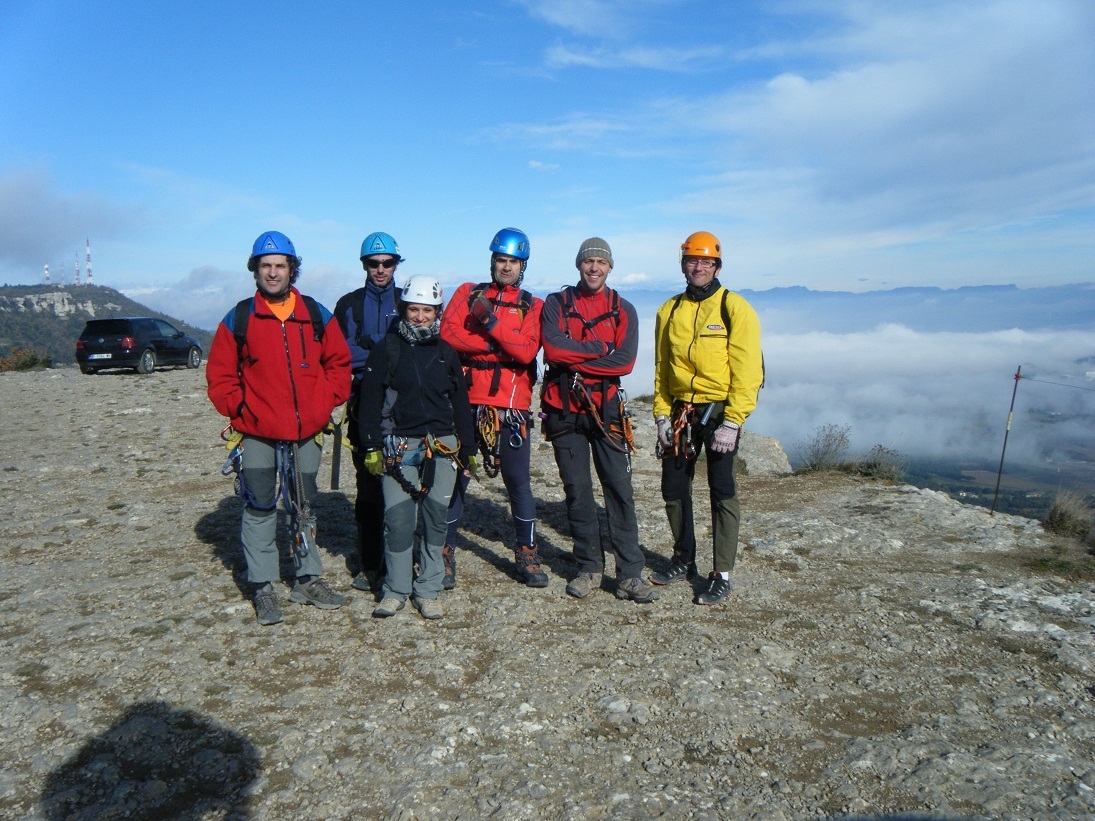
(425, 392)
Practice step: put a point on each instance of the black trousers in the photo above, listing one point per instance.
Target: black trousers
(575, 437)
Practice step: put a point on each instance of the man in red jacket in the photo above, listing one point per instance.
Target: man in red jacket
(591, 337)
(278, 367)
(495, 327)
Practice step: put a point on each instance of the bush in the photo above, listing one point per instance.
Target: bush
(1070, 515)
(882, 463)
(24, 359)
(826, 449)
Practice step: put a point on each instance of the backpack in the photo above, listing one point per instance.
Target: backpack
(245, 307)
(725, 321)
(523, 306)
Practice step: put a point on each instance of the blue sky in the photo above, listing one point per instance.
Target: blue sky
(839, 145)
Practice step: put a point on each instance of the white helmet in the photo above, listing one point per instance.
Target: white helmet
(422, 290)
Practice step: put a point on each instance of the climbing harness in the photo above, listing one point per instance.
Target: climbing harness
(621, 437)
(396, 455)
(290, 487)
(683, 424)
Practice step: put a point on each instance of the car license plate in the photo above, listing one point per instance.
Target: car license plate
(99, 356)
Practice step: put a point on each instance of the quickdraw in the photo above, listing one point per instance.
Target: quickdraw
(517, 422)
(291, 482)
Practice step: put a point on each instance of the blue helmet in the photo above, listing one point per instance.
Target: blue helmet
(380, 243)
(512, 243)
(273, 242)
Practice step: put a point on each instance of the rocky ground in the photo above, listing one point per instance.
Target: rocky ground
(885, 651)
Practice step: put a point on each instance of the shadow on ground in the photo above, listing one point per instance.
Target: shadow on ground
(155, 761)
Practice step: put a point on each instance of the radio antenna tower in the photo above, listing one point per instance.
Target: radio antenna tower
(88, 241)
(76, 262)
(47, 273)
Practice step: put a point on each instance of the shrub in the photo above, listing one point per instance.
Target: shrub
(882, 463)
(826, 449)
(1070, 515)
(24, 359)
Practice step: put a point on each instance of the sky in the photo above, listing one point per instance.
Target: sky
(838, 145)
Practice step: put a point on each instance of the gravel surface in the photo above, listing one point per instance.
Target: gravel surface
(884, 650)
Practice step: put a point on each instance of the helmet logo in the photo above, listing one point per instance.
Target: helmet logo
(270, 245)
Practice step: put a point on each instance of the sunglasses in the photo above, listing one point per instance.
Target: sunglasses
(373, 264)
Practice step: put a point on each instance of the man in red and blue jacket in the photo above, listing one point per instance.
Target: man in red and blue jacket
(591, 337)
(495, 328)
(278, 367)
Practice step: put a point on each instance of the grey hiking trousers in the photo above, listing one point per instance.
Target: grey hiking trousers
(259, 529)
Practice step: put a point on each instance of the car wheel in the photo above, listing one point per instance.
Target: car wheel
(148, 362)
(194, 358)
(87, 370)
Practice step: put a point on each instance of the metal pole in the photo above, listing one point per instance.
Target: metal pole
(1003, 450)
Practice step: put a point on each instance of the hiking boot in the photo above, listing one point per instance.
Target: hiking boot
(636, 589)
(267, 610)
(448, 558)
(528, 566)
(429, 608)
(389, 606)
(674, 573)
(717, 589)
(584, 584)
(316, 592)
(368, 580)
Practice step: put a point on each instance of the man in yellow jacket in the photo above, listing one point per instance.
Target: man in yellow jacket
(707, 372)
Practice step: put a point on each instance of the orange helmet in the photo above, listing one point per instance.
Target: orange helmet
(702, 244)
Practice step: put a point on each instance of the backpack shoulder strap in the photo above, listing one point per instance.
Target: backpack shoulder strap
(673, 310)
(523, 304)
(726, 321)
(316, 315)
(240, 318)
(354, 303)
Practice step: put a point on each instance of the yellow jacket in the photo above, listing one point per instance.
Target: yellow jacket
(696, 360)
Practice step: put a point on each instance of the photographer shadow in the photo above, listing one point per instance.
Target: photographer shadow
(155, 761)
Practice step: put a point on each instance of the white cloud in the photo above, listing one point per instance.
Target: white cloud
(921, 394)
(41, 225)
(659, 59)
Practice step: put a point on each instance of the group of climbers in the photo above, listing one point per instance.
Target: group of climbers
(435, 391)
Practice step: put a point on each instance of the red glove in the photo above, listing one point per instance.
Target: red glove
(483, 312)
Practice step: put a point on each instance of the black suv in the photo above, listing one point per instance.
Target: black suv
(140, 343)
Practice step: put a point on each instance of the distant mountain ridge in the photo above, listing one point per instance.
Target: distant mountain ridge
(49, 319)
(967, 309)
